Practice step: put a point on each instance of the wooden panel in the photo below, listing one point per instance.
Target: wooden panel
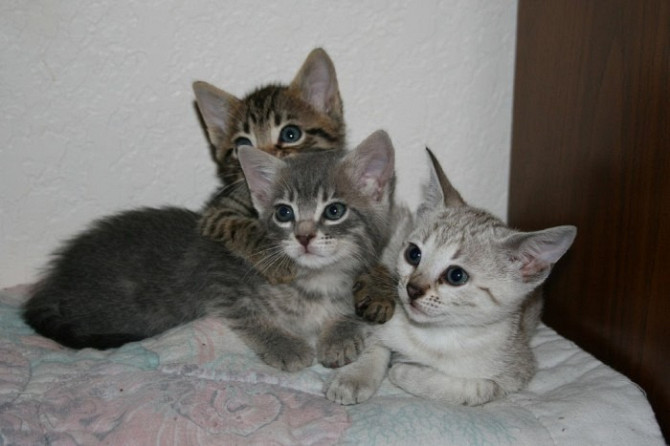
(591, 147)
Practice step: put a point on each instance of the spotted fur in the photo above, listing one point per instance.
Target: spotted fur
(469, 288)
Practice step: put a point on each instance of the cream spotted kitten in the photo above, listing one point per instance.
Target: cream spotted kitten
(469, 288)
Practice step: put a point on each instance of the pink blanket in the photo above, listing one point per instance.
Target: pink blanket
(199, 385)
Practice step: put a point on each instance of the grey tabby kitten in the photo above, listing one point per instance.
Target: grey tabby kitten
(282, 120)
(469, 288)
(140, 273)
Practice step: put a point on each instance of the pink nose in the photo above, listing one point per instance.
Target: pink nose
(414, 292)
(304, 239)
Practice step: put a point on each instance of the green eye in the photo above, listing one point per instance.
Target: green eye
(284, 213)
(289, 134)
(334, 211)
(455, 276)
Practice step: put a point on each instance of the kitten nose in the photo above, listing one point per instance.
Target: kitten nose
(304, 239)
(305, 232)
(414, 292)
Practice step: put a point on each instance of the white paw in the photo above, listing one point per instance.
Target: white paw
(431, 384)
(401, 375)
(347, 389)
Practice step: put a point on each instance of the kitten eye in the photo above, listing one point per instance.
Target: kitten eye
(242, 141)
(455, 276)
(334, 211)
(289, 134)
(413, 254)
(284, 213)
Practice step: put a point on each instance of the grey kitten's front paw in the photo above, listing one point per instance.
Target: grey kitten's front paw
(279, 273)
(374, 295)
(341, 346)
(288, 354)
(349, 388)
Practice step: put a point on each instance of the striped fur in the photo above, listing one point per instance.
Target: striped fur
(310, 104)
(139, 273)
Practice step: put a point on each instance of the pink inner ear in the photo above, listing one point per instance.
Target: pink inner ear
(532, 267)
(317, 95)
(371, 187)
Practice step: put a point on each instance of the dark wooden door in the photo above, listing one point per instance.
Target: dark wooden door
(591, 147)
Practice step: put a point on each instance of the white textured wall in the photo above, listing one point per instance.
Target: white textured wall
(97, 111)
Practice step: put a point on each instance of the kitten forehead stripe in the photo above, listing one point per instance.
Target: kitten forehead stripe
(322, 133)
(457, 254)
(490, 294)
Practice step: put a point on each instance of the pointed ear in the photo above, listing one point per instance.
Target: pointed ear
(217, 108)
(260, 171)
(316, 83)
(371, 165)
(438, 191)
(536, 252)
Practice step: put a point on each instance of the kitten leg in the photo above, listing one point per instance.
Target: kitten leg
(358, 381)
(246, 237)
(374, 294)
(342, 342)
(275, 346)
(427, 382)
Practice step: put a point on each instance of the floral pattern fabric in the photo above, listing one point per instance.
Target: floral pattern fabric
(199, 385)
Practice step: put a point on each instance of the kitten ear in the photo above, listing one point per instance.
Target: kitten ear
(217, 108)
(371, 165)
(316, 83)
(260, 170)
(537, 251)
(438, 191)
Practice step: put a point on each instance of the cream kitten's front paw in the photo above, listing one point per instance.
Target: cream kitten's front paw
(350, 388)
(426, 382)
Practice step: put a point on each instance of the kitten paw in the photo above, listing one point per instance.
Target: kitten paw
(347, 389)
(425, 382)
(280, 273)
(288, 354)
(374, 295)
(341, 346)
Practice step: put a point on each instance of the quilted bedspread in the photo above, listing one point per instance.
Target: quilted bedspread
(198, 385)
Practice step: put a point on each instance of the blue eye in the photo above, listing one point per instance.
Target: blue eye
(289, 134)
(242, 141)
(284, 213)
(413, 254)
(456, 276)
(334, 211)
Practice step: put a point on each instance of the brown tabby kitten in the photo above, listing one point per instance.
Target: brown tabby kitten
(282, 120)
